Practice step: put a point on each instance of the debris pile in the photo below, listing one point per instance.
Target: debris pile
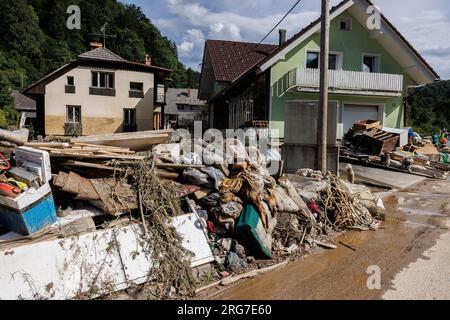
(247, 212)
(403, 150)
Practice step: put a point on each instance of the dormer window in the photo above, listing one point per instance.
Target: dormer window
(345, 24)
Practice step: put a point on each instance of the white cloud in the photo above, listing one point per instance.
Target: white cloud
(193, 39)
(227, 31)
(424, 23)
(185, 48)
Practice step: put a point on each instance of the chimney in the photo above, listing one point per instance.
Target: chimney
(96, 45)
(148, 60)
(282, 37)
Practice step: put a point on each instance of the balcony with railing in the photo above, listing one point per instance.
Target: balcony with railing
(347, 82)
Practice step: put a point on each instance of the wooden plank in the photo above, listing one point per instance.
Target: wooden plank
(98, 156)
(366, 125)
(179, 166)
(48, 144)
(202, 193)
(127, 135)
(90, 165)
(136, 141)
(167, 175)
(104, 149)
(77, 227)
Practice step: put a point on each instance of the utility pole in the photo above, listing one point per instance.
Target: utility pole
(323, 101)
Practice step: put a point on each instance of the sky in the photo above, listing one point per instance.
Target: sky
(426, 24)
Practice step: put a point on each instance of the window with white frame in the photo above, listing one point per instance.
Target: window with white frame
(345, 24)
(104, 80)
(335, 60)
(70, 81)
(312, 60)
(73, 114)
(371, 63)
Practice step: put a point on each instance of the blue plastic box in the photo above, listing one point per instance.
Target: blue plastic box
(34, 209)
(30, 212)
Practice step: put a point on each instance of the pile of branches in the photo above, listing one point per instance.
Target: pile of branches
(171, 270)
(344, 209)
(290, 230)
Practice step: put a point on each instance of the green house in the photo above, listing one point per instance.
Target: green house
(372, 66)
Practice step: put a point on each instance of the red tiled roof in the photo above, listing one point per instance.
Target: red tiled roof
(230, 59)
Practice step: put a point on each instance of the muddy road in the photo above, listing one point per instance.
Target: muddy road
(411, 249)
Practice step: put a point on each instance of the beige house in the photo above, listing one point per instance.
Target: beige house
(99, 93)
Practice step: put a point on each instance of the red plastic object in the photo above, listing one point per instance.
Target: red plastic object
(8, 190)
(313, 207)
(7, 165)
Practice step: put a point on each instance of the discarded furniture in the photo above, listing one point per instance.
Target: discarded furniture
(377, 142)
(365, 125)
(34, 209)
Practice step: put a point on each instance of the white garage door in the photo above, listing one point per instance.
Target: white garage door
(354, 113)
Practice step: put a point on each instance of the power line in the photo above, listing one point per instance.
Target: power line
(279, 22)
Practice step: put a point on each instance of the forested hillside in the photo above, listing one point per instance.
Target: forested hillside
(429, 108)
(34, 40)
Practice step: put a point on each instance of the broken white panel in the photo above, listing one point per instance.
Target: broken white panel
(401, 132)
(172, 150)
(88, 265)
(189, 227)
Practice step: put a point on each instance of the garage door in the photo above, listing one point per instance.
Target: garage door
(354, 113)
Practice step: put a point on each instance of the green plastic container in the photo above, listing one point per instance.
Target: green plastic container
(250, 231)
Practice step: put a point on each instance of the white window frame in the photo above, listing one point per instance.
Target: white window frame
(73, 113)
(306, 57)
(347, 20)
(71, 77)
(339, 54)
(378, 66)
(107, 84)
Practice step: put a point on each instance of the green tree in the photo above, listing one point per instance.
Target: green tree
(429, 108)
(34, 41)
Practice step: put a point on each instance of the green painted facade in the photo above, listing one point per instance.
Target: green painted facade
(353, 44)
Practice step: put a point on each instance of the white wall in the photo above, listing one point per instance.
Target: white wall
(100, 113)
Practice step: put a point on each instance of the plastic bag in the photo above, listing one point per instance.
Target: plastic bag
(216, 175)
(196, 177)
(284, 202)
